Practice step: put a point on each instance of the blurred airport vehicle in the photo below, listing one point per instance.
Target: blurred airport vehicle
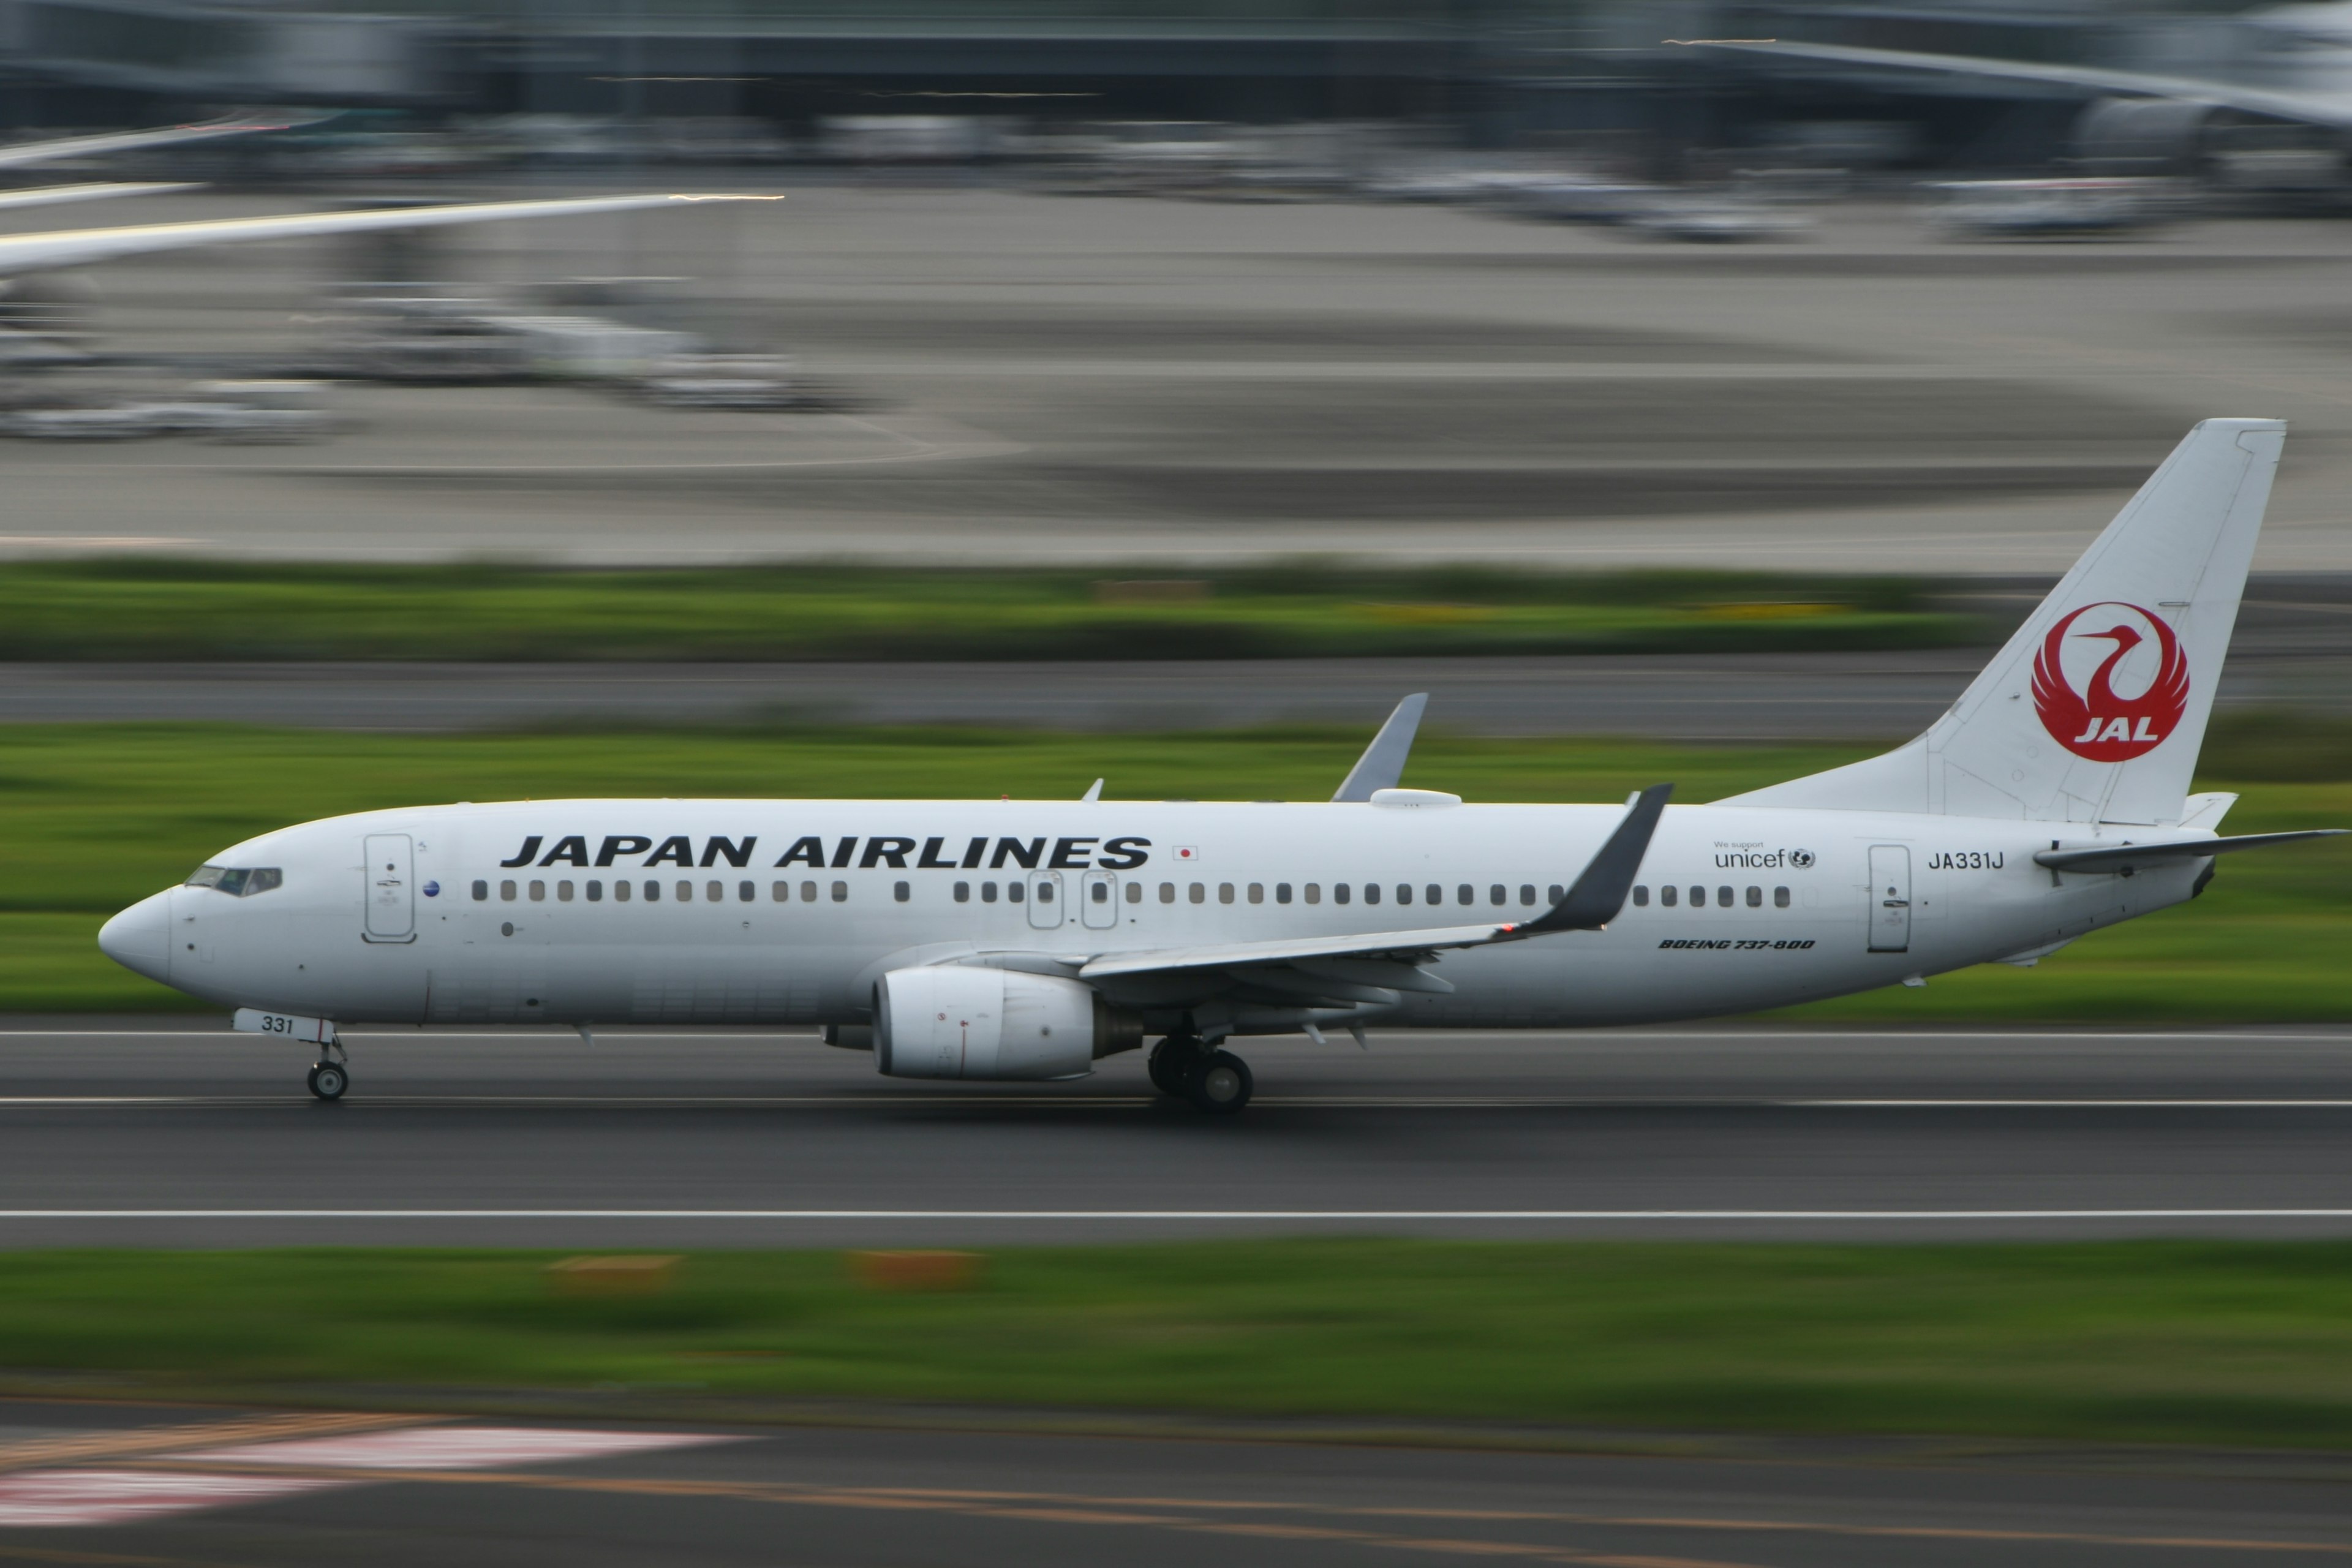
(420, 336)
(236, 412)
(1713, 220)
(2052, 800)
(2025, 209)
(912, 138)
(738, 380)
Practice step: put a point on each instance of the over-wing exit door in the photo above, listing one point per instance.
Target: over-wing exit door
(1890, 898)
(1045, 900)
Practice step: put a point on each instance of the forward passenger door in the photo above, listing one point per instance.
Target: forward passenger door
(391, 888)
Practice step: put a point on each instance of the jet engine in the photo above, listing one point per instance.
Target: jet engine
(956, 1021)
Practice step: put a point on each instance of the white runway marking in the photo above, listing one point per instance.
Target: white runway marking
(93, 1494)
(447, 1448)
(1178, 1216)
(55, 1499)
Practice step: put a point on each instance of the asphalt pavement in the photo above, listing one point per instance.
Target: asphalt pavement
(163, 1486)
(196, 1137)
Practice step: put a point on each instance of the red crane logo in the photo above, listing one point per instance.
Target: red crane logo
(2092, 721)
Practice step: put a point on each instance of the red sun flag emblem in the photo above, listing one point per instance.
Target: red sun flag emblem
(2082, 663)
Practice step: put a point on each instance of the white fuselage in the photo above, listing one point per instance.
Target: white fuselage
(513, 914)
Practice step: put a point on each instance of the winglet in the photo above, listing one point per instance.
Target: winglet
(1383, 763)
(1601, 887)
(1093, 790)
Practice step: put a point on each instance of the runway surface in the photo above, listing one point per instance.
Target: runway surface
(1057, 379)
(167, 1137)
(203, 1488)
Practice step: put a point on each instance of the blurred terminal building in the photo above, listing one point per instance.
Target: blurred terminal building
(749, 80)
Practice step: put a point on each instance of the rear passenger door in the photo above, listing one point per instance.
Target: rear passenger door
(1890, 898)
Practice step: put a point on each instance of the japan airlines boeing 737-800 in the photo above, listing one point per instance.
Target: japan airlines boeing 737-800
(1028, 939)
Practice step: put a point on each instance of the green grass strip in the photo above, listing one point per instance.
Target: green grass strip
(2234, 1343)
(96, 817)
(153, 609)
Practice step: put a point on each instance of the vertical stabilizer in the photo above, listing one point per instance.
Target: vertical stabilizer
(2095, 709)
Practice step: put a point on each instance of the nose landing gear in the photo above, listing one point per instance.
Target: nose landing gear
(328, 1075)
(1214, 1080)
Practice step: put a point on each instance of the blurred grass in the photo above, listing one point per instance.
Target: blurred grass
(2237, 1342)
(96, 817)
(156, 608)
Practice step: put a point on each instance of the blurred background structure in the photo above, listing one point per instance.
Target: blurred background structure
(1849, 86)
(1585, 283)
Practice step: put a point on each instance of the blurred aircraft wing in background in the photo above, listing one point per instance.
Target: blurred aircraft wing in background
(2317, 108)
(54, 195)
(25, 153)
(22, 253)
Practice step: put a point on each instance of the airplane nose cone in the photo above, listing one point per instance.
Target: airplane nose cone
(140, 938)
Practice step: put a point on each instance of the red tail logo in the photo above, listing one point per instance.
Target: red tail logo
(2081, 710)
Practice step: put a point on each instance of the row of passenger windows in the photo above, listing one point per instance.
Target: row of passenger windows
(1464, 893)
(1725, 897)
(712, 892)
(1016, 892)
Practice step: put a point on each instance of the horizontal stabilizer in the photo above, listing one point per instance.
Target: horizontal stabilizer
(2130, 856)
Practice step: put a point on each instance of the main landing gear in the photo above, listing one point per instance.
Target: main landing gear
(1214, 1080)
(330, 1074)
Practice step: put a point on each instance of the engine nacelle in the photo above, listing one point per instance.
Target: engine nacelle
(956, 1021)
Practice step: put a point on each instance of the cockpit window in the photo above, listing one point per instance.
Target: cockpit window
(238, 881)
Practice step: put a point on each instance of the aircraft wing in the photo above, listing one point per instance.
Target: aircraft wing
(1366, 944)
(2129, 856)
(28, 153)
(2309, 108)
(78, 248)
(1344, 967)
